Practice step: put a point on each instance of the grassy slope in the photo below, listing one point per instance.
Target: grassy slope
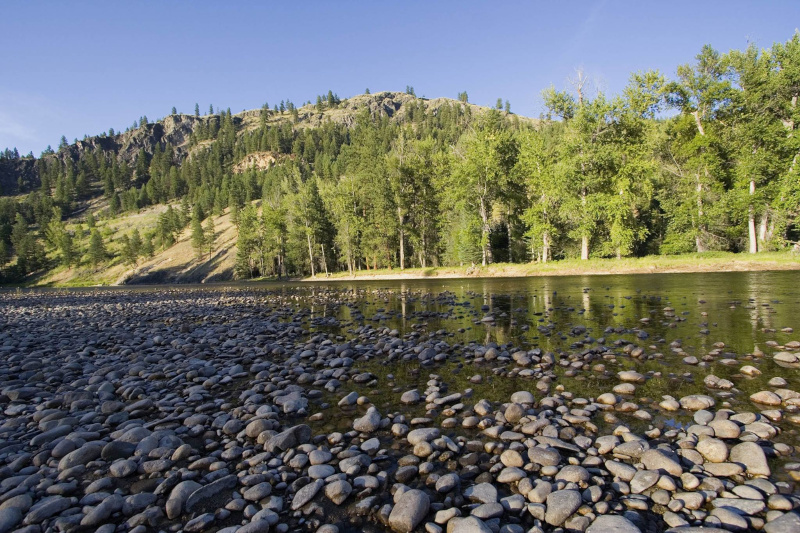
(177, 264)
(180, 264)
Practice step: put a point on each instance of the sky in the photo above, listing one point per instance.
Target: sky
(79, 68)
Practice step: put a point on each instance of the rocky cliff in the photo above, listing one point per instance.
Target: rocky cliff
(18, 175)
(176, 131)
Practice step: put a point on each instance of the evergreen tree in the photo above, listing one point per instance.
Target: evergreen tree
(136, 243)
(97, 248)
(210, 235)
(4, 255)
(147, 246)
(247, 243)
(198, 234)
(29, 251)
(129, 256)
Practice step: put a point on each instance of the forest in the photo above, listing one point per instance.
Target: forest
(702, 160)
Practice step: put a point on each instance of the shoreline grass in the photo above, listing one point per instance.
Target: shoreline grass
(654, 264)
(696, 262)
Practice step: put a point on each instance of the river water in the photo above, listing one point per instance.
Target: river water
(723, 320)
(675, 329)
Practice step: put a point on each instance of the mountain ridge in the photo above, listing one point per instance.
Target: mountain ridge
(176, 130)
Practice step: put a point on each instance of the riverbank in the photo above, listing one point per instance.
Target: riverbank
(244, 410)
(662, 264)
(181, 266)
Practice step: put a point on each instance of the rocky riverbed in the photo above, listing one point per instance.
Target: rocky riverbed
(247, 410)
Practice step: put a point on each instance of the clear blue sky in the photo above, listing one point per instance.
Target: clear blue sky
(75, 68)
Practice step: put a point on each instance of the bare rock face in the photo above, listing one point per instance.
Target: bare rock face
(16, 172)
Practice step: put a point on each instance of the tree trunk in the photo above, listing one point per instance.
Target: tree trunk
(508, 229)
(762, 231)
(584, 237)
(311, 255)
(281, 261)
(699, 124)
(545, 247)
(751, 221)
(485, 245)
(771, 231)
(423, 260)
(701, 247)
(402, 239)
(324, 261)
(402, 249)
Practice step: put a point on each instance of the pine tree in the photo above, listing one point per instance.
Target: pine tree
(97, 248)
(197, 110)
(147, 246)
(174, 110)
(247, 242)
(128, 255)
(4, 255)
(198, 235)
(136, 242)
(210, 235)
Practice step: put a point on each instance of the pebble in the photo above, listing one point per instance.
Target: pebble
(409, 511)
(612, 524)
(203, 428)
(561, 504)
(368, 423)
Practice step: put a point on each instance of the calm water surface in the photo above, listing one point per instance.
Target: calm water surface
(722, 319)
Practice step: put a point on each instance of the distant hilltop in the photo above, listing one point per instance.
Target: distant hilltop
(19, 176)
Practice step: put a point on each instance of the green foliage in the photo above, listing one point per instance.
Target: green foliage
(97, 249)
(198, 233)
(705, 161)
(210, 235)
(4, 254)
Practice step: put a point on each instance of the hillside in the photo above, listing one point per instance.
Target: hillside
(176, 131)
(178, 263)
(119, 169)
(392, 181)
